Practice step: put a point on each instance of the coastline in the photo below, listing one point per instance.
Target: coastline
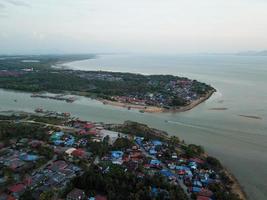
(155, 109)
(61, 65)
(236, 187)
(218, 116)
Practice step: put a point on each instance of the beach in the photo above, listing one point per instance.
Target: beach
(155, 109)
(240, 143)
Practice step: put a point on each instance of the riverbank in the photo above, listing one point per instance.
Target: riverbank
(188, 158)
(200, 156)
(155, 109)
(224, 134)
(236, 187)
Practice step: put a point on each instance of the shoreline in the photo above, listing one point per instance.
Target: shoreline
(236, 187)
(61, 65)
(141, 108)
(155, 109)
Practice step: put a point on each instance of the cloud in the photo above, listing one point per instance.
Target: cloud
(2, 15)
(2, 11)
(2, 6)
(17, 3)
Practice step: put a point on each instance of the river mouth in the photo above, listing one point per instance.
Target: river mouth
(239, 142)
(217, 123)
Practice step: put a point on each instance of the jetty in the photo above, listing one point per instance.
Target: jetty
(59, 97)
(49, 113)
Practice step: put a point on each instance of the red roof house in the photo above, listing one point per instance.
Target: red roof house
(82, 132)
(197, 160)
(78, 153)
(76, 194)
(206, 193)
(100, 197)
(92, 132)
(17, 189)
(88, 126)
(57, 165)
(203, 198)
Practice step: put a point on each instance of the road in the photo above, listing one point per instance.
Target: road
(180, 182)
(44, 124)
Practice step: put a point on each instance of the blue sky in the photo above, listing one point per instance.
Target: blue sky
(142, 26)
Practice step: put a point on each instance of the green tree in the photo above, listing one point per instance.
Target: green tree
(47, 195)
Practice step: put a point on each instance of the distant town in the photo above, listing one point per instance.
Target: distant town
(147, 93)
(61, 157)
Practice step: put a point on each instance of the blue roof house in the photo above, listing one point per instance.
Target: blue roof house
(70, 141)
(152, 152)
(117, 154)
(28, 157)
(154, 192)
(156, 142)
(197, 183)
(155, 162)
(139, 140)
(166, 173)
(57, 135)
(58, 142)
(196, 189)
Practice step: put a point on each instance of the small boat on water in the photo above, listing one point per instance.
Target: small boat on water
(39, 110)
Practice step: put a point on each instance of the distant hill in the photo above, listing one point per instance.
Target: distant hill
(253, 53)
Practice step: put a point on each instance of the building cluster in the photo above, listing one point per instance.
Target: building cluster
(10, 73)
(192, 173)
(55, 175)
(71, 148)
(14, 73)
(103, 76)
(22, 168)
(15, 162)
(184, 90)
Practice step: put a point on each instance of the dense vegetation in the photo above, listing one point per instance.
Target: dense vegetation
(10, 130)
(138, 129)
(118, 184)
(165, 89)
(193, 150)
(116, 181)
(40, 62)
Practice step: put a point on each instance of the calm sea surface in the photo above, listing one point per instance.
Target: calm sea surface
(239, 142)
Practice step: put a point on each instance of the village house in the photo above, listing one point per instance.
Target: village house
(76, 194)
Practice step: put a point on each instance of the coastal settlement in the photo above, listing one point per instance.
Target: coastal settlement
(147, 93)
(67, 158)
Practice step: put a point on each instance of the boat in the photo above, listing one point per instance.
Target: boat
(39, 110)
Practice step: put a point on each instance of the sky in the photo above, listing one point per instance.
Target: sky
(139, 26)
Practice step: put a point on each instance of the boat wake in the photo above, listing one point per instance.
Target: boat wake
(187, 125)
